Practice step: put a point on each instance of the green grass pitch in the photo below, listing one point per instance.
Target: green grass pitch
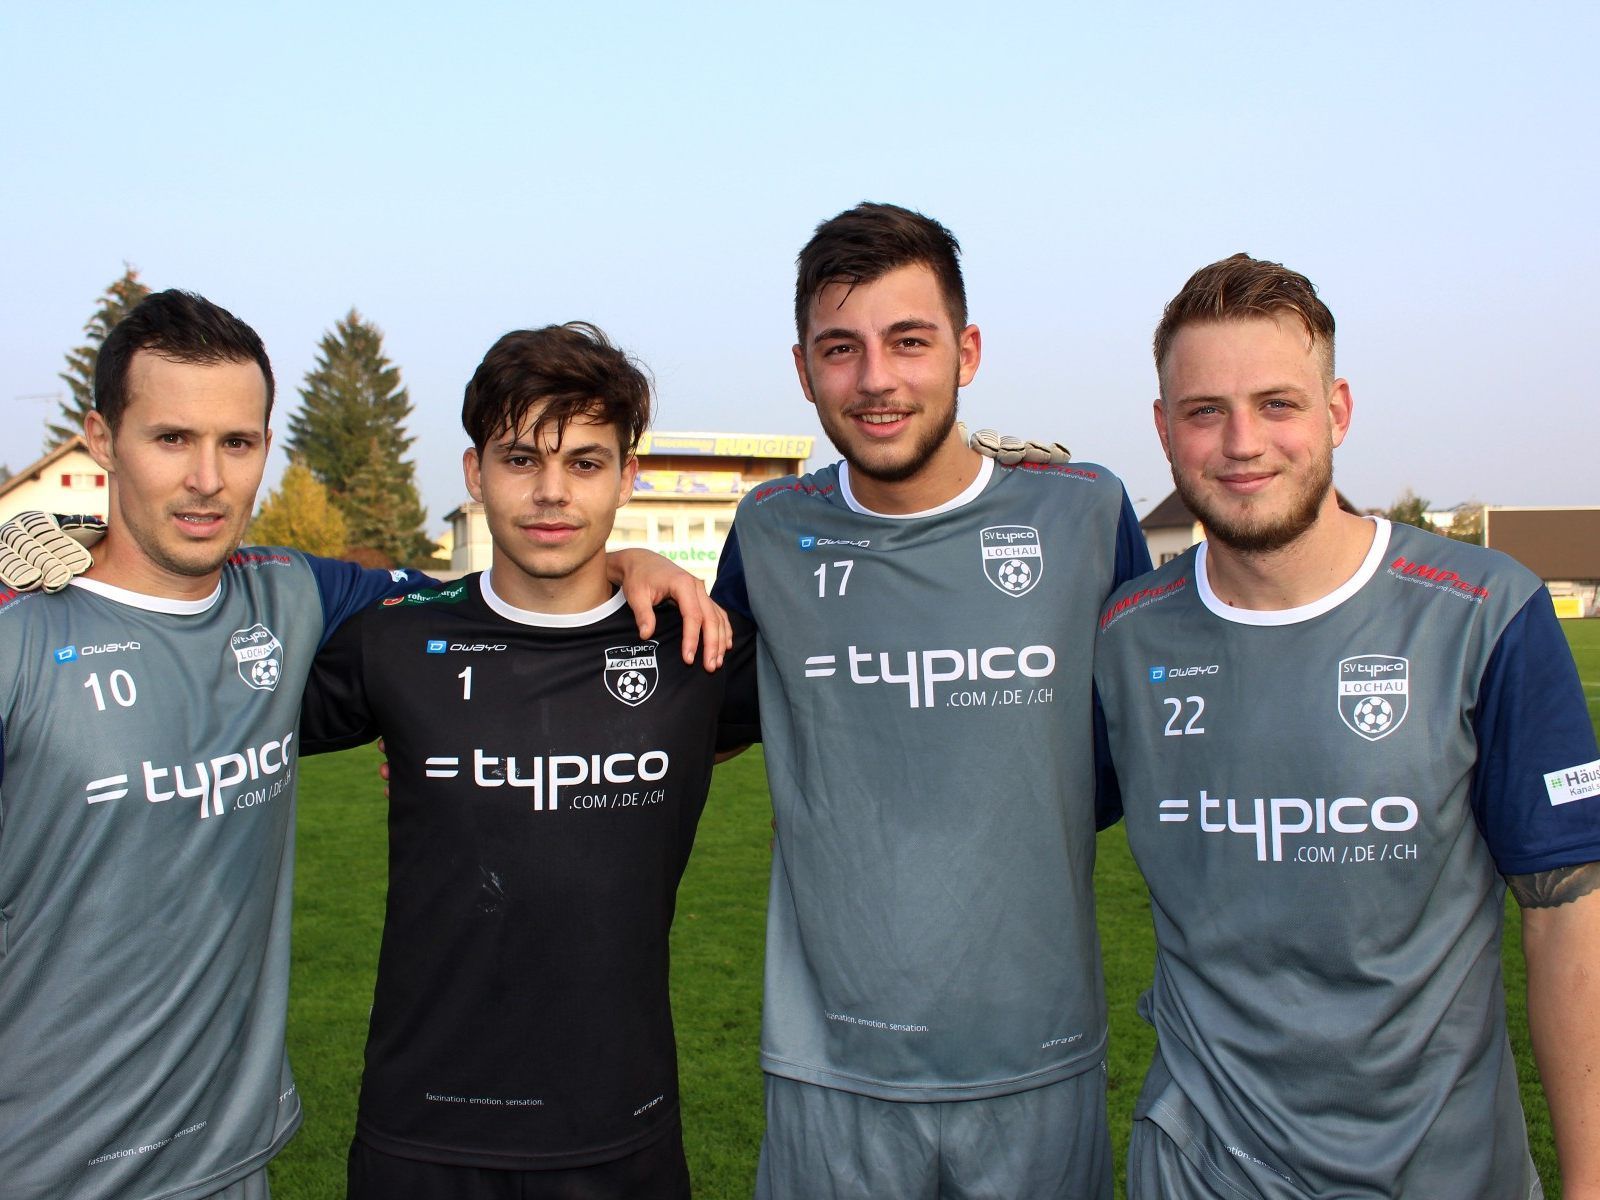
(717, 943)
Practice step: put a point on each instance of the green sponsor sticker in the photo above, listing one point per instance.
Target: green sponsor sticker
(452, 593)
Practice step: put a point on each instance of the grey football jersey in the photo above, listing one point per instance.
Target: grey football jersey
(146, 853)
(1322, 801)
(925, 703)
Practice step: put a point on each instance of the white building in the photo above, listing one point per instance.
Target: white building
(65, 480)
(683, 500)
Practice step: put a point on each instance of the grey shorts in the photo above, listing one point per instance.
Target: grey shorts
(1158, 1168)
(1047, 1143)
(1192, 1162)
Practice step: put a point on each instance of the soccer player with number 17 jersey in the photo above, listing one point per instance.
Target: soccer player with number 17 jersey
(1338, 741)
(934, 1020)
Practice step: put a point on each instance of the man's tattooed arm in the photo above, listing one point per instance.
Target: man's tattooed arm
(1547, 889)
(1561, 943)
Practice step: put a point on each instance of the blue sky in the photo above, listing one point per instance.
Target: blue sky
(454, 173)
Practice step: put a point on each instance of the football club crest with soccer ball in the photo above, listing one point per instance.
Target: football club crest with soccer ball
(631, 672)
(259, 655)
(1374, 694)
(1013, 559)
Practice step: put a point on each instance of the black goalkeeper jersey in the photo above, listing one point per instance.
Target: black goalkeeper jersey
(547, 775)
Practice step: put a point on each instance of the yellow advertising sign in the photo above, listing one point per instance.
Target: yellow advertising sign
(688, 483)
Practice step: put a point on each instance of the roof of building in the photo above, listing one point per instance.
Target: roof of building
(1171, 513)
(34, 470)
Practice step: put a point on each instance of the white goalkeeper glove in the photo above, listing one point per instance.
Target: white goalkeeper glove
(41, 550)
(1008, 451)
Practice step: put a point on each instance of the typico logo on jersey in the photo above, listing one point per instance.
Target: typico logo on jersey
(923, 670)
(1269, 819)
(209, 779)
(546, 775)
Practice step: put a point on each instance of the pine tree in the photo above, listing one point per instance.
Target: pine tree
(378, 506)
(79, 375)
(300, 513)
(350, 433)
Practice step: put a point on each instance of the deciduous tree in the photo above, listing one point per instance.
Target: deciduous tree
(1466, 524)
(300, 513)
(1410, 509)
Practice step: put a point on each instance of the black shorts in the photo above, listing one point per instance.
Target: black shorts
(657, 1172)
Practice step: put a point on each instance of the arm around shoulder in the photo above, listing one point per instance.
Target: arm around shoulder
(647, 580)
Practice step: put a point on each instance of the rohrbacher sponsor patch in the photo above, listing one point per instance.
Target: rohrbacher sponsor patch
(1573, 783)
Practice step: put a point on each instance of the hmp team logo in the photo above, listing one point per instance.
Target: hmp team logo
(260, 656)
(1374, 694)
(1012, 557)
(631, 673)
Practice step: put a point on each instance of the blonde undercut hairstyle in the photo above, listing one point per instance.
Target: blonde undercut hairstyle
(1241, 287)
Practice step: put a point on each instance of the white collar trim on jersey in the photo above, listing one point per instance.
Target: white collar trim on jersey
(523, 616)
(1293, 616)
(160, 604)
(972, 491)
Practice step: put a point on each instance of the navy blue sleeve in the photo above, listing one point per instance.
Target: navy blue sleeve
(1107, 791)
(1133, 552)
(729, 589)
(1536, 788)
(335, 713)
(346, 588)
(739, 722)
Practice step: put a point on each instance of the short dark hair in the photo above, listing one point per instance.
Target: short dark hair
(571, 370)
(865, 243)
(1241, 286)
(180, 326)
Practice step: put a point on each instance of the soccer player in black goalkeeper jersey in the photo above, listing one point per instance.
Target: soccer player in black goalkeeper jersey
(547, 770)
